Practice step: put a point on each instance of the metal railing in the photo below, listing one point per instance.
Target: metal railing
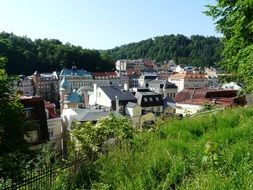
(42, 178)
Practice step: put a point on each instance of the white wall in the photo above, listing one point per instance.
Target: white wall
(187, 109)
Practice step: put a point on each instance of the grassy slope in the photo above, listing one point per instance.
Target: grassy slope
(207, 152)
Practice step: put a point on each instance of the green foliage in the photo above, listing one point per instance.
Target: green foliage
(196, 50)
(235, 20)
(205, 152)
(25, 56)
(13, 126)
(91, 140)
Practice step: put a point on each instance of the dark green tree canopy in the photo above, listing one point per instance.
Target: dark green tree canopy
(234, 19)
(25, 56)
(196, 50)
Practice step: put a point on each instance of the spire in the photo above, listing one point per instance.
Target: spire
(64, 84)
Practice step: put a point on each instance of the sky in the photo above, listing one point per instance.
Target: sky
(105, 24)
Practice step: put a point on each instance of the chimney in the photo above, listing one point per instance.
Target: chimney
(95, 92)
(126, 88)
(117, 104)
(86, 99)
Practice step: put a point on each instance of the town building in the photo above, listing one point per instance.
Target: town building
(167, 89)
(113, 98)
(149, 101)
(191, 101)
(54, 123)
(145, 78)
(71, 115)
(25, 86)
(46, 85)
(77, 78)
(72, 99)
(106, 78)
(188, 80)
(34, 110)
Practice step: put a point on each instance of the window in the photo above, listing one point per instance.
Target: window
(157, 99)
(28, 113)
(145, 99)
(31, 136)
(51, 132)
(150, 99)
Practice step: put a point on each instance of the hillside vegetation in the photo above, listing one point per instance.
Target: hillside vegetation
(24, 56)
(206, 152)
(196, 50)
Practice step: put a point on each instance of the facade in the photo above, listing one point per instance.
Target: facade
(112, 97)
(106, 78)
(190, 101)
(232, 86)
(77, 78)
(54, 123)
(187, 80)
(72, 99)
(133, 79)
(149, 101)
(134, 65)
(163, 87)
(145, 78)
(134, 111)
(47, 86)
(34, 110)
(25, 86)
(83, 115)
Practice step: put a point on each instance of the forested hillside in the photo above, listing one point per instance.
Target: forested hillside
(25, 56)
(196, 50)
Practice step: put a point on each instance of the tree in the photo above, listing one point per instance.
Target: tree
(91, 140)
(234, 19)
(13, 147)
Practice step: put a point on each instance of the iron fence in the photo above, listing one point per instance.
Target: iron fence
(42, 178)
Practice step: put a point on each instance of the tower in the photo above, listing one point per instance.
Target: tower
(64, 90)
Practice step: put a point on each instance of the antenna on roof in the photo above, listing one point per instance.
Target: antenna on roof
(73, 68)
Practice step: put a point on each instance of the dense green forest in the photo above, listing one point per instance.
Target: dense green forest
(24, 56)
(196, 50)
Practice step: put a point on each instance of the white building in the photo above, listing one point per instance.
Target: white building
(54, 123)
(232, 86)
(186, 80)
(145, 78)
(77, 78)
(111, 97)
(25, 86)
(187, 109)
(163, 87)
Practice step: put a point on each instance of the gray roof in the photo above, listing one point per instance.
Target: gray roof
(131, 105)
(158, 82)
(147, 99)
(93, 115)
(113, 91)
(76, 72)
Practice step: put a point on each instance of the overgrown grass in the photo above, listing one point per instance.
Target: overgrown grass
(205, 152)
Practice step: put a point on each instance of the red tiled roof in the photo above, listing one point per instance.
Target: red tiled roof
(51, 110)
(105, 74)
(190, 93)
(187, 76)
